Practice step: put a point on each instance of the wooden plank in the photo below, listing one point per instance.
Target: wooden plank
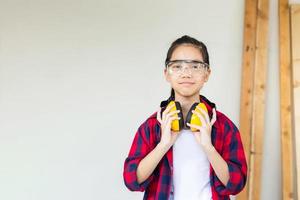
(285, 101)
(295, 32)
(247, 84)
(253, 92)
(260, 72)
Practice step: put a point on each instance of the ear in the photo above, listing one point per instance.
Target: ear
(167, 75)
(207, 75)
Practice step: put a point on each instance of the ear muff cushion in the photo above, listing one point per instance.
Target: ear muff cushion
(176, 125)
(193, 118)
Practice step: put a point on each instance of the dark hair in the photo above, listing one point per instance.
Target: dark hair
(189, 41)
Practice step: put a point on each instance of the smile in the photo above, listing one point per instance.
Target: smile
(186, 84)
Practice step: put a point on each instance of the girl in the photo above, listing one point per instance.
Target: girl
(186, 165)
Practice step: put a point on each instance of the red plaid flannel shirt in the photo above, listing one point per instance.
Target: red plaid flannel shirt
(226, 140)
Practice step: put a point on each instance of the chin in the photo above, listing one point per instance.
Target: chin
(188, 93)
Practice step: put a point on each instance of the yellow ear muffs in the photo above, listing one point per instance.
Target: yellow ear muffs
(176, 124)
(193, 118)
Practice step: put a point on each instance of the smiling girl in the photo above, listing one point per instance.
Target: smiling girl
(182, 164)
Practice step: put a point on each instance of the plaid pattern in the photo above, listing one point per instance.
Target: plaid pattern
(225, 138)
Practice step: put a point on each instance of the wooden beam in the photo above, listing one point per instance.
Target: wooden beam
(295, 39)
(285, 101)
(253, 92)
(247, 84)
(260, 72)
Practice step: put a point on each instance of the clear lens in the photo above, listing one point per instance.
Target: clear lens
(179, 66)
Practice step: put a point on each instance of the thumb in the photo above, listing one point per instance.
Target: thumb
(214, 117)
(158, 117)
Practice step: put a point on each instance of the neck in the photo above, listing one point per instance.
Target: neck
(187, 102)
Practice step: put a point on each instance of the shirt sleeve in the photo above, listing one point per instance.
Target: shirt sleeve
(139, 149)
(233, 154)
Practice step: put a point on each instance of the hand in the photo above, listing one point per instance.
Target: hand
(203, 136)
(168, 137)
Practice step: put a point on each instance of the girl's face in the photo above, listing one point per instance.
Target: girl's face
(186, 82)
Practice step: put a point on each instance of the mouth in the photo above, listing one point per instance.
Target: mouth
(186, 83)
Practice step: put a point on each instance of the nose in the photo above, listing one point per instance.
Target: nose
(183, 73)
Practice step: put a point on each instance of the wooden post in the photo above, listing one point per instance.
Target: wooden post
(247, 84)
(253, 92)
(259, 98)
(295, 32)
(285, 101)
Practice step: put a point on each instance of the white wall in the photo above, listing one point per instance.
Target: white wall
(78, 77)
(294, 1)
(271, 163)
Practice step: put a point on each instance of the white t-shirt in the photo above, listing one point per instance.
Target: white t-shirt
(190, 169)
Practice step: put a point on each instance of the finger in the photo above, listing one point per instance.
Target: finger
(193, 126)
(158, 115)
(169, 121)
(214, 117)
(199, 128)
(204, 122)
(202, 130)
(167, 110)
(172, 113)
(177, 133)
(204, 113)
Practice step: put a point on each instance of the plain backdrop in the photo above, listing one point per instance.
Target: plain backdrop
(77, 78)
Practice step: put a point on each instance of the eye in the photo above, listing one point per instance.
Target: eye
(196, 66)
(177, 66)
(203, 65)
